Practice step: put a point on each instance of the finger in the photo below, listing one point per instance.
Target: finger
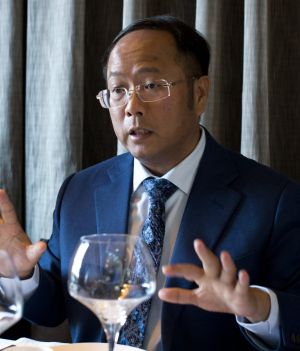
(210, 262)
(7, 210)
(228, 274)
(187, 271)
(177, 295)
(243, 282)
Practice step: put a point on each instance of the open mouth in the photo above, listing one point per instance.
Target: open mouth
(139, 132)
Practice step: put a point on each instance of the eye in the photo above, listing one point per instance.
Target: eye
(151, 86)
(118, 91)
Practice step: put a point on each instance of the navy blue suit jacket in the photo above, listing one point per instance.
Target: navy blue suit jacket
(235, 204)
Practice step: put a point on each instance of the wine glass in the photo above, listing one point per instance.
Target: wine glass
(111, 274)
(11, 299)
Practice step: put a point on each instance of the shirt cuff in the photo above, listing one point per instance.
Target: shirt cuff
(267, 330)
(29, 285)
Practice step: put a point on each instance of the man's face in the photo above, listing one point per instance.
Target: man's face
(162, 133)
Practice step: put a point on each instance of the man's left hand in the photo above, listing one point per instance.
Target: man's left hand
(220, 287)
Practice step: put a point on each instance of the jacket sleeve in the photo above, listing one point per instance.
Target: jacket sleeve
(282, 269)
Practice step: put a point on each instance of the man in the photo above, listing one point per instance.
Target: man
(246, 215)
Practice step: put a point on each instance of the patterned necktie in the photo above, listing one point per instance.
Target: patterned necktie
(158, 190)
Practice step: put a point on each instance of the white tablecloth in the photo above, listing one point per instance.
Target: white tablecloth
(25, 341)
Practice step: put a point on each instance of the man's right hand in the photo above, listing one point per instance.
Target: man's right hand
(15, 241)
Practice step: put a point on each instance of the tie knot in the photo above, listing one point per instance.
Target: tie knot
(159, 188)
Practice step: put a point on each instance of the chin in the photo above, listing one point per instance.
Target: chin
(138, 152)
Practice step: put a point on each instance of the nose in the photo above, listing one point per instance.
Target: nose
(134, 107)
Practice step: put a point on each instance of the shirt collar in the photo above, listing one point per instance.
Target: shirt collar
(181, 175)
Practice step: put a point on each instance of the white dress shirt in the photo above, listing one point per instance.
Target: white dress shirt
(182, 176)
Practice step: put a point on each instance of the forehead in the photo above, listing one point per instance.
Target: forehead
(143, 51)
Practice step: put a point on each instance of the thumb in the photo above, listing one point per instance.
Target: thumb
(35, 251)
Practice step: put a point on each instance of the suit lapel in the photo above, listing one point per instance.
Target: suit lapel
(112, 197)
(210, 206)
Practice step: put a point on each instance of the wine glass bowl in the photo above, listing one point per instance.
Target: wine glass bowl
(111, 274)
(11, 299)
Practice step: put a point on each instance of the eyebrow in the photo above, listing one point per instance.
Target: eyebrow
(139, 71)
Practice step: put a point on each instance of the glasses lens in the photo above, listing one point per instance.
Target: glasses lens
(154, 90)
(111, 99)
(103, 97)
(117, 97)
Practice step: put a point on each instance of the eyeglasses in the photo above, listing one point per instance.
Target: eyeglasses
(150, 91)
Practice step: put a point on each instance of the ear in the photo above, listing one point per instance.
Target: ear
(201, 88)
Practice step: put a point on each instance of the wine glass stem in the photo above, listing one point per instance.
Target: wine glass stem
(111, 344)
(112, 334)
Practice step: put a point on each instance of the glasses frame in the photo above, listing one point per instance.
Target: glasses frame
(136, 89)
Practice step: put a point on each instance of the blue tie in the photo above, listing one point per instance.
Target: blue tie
(158, 190)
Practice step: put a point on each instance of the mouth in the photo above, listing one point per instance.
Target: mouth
(139, 132)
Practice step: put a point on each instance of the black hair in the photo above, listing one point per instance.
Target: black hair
(190, 43)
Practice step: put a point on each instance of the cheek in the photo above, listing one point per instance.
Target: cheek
(117, 123)
(174, 116)
(180, 121)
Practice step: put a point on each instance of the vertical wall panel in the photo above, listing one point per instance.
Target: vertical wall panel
(12, 77)
(222, 23)
(255, 113)
(54, 104)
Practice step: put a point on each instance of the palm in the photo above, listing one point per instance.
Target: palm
(220, 288)
(216, 296)
(14, 240)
